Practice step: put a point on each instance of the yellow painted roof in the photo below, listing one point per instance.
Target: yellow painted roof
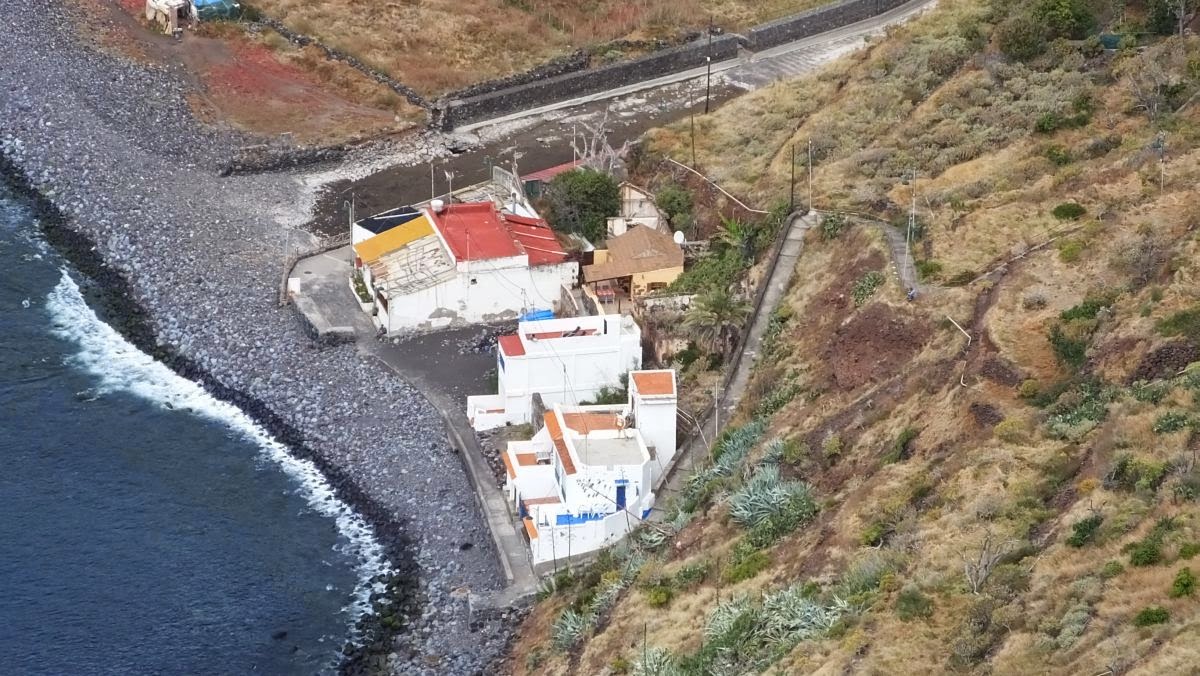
(370, 250)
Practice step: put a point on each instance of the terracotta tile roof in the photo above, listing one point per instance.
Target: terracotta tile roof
(548, 500)
(640, 249)
(526, 459)
(551, 172)
(530, 529)
(654, 382)
(584, 423)
(508, 466)
(511, 346)
(556, 433)
(537, 239)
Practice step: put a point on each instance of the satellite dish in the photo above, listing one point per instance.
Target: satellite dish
(680, 238)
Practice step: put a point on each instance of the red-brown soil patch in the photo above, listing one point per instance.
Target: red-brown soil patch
(872, 346)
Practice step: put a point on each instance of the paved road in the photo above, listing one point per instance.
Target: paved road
(752, 69)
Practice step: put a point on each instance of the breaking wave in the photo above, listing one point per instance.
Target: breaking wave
(121, 367)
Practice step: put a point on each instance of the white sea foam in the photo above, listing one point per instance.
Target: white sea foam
(120, 366)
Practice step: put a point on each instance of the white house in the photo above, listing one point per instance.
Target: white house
(459, 263)
(637, 208)
(566, 361)
(586, 478)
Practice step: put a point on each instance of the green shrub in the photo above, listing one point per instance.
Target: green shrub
(900, 448)
(1189, 550)
(1070, 250)
(1070, 352)
(1184, 584)
(1151, 615)
(832, 225)
(1029, 389)
(1090, 307)
(794, 451)
(1183, 323)
(1152, 392)
(1071, 19)
(912, 604)
(1171, 421)
(832, 447)
(745, 564)
(1048, 123)
(1058, 155)
(619, 665)
(676, 202)
(1020, 37)
(866, 287)
(658, 596)
(1135, 474)
(691, 575)
(873, 535)
(1145, 552)
(581, 201)
(1068, 211)
(1111, 570)
(1083, 531)
(928, 269)
(715, 271)
(1010, 430)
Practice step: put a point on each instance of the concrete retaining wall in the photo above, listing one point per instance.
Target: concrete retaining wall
(816, 21)
(448, 115)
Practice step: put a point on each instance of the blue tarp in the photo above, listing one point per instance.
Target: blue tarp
(216, 9)
(535, 315)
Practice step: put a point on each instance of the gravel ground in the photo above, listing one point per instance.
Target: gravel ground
(113, 145)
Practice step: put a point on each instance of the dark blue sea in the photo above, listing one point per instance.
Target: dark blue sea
(145, 527)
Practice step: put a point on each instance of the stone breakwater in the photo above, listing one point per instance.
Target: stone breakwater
(192, 262)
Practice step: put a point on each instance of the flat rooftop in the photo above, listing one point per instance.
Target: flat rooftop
(621, 451)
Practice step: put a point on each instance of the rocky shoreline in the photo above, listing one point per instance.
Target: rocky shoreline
(126, 184)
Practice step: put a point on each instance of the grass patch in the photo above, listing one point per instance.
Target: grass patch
(1182, 323)
(1068, 211)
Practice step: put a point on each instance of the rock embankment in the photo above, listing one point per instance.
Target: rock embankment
(114, 147)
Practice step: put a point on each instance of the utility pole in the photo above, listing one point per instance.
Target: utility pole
(708, 66)
(432, 186)
(810, 175)
(707, 80)
(912, 221)
(716, 411)
(792, 198)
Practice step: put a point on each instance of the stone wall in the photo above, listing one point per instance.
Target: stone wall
(816, 21)
(450, 114)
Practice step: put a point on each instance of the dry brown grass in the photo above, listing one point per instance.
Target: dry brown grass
(1030, 487)
(436, 46)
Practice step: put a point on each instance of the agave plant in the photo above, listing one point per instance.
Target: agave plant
(568, 629)
(789, 616)
(656, 662)
(766, 497)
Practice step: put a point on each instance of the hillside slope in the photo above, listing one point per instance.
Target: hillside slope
(898, 497)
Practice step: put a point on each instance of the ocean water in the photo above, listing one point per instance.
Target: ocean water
(145, 527)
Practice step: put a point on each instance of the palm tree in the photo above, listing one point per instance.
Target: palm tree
(715, 319)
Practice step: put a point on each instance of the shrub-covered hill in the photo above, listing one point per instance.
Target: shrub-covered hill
(999, 477)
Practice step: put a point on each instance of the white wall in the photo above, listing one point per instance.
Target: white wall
(655, 420)
(502, 289)
(567, 370)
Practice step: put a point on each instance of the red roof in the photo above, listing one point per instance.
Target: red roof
(537, 239)
(474, 232)
(511, 345)
(478, 231)
(547, 174)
